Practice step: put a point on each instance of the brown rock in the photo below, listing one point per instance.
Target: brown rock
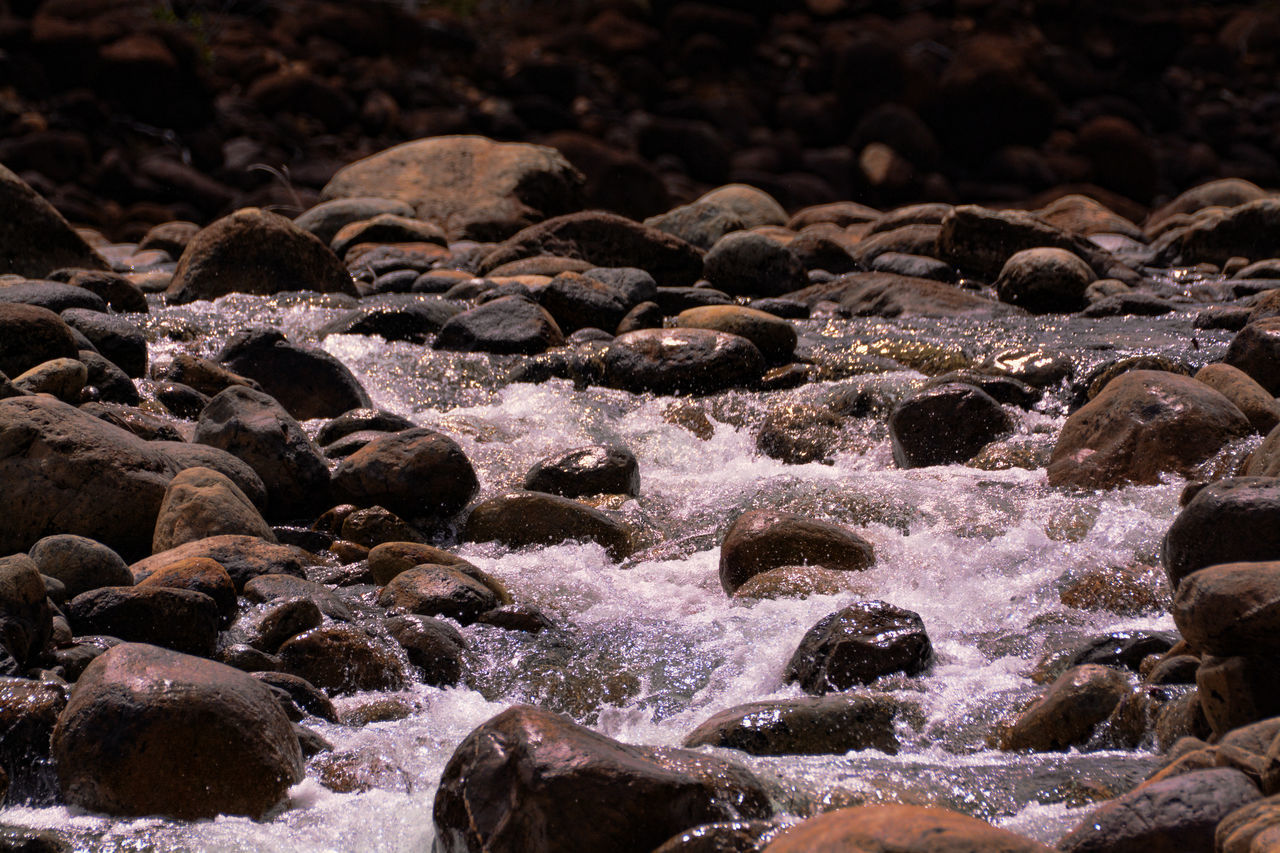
(414, 473)
(773, 336)
(793, 582)
(429, 590)
(521, 519)
(1257, 404)
(1255, 350)
(1230, 521)
(760, 540)
(899, 829)
(681, 361)
(857, 645)
(34, 238)
(244, 558)
(1067, 713)
(179, 619)
(200, 503)
(342, 659)
(200, 574)
(826, 725)
(25, 616)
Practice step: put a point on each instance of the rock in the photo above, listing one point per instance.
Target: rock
(178, 619)
(253, 251)
(255, 428)
(68, 472)
(1257, 404)
(124, 744)
(429, 590)
(25, 616)
(342, 659)
(800, 433)
(375, 525)
(1045, 280)
(386, 228)
(389, 559)
(1065, 716)
(414, 473)
(307, 382)
(1245, 230)
(1227, 192)
(115, 337)
(1230, 521)
(200, 503)
(1237, 690)
(735, 207)
(169, 237)
(63, 378)
(764, 539)
(274, 587)
(28, 713)
(52, 295)
(793, 582)
(980, 241)
(358, 420)
(435, 647)
(475, 188)
(1170, 816)
(200, 574)
(522, 519)
(1037, 368)
(1230, 609)
(576, 302)
(899, 829)
(1128, 304)
(280, 620)
(413, 319)
(604, 240)
(1143, 423)
(304, 696)
(681, 361)
(205, 376)
(773, 336)
(328, 218)
(35, 240)
(529, 779)
(1255, 350)
(857, 645)
(185, 455)
(244, 557)
(883, 294)
(598, 469)
(826, 725)
(507, 325)
(735, 836)
(30, 336)
(112, 383)
(913, 266)
(79, 563)
(945, 424)
(746, 263)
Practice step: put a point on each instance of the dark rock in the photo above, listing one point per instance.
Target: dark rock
(186, 455)
(169, 237)
(342, 659)
(1236, 520)
(763, 539)
(1255, 350)
(28, 713)
(178, 619)
(303, 695)
(746, 263)
(199, 574)
(594, 470)
(30, 336)
(273, 587)
(1237, 690)
(358, 420)
(1230, 608)
(945, 424)
(1129, 305)
(1044, 280)
(773, 336)
(1002, 388)
(280, 620)
(118, 292)
(914, 266)
(433, 646)
(1123, 649)
(206, 376)
(1247, 230)
(391, 558)
(375, 525)
(429, 590)
(576, 302)
(152, 429)
(308, 382)
(522, 519)
(79, 563)
(25, 616)
(414, 320)
(1259, 406)
(673, 300)
(1065, 716)
(386, 228)
(826, 725)
(414, 473)
(114, 336)
(736, 207)
(507, 325)
(35, 239)
(681, 361)
(857, 645)
(881, 294)
(980, 241)
(634, 284)
(113, 384)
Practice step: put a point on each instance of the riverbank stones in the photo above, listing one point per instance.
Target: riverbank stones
(899, 829)
(1257, 404)
(35, 240)
(857, 645)
(179, 619)
(508, 325)
(1067, 713)
(1230, 521)
(762, 540)
(343, 659)
(1044, 281)
(201, 502)
(1255, 350)
(747, 263)
(773, 336)
(414, 473)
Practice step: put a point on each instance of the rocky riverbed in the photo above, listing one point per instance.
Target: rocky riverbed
(456, 511)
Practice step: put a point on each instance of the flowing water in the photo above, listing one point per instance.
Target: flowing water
(649, 648)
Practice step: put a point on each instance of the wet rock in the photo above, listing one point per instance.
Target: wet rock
(578, 302)
(414, 473)
(255, 428)
(253, 251)
(826, 725)
(79, 563)
(746, 263)
(362, 419)
(113, 384)
(516, 617)
(1227, 192)
(604, 240)
(773, 336)
(1128, 304)
(857, 645)
(981, 241)
(429, 590)
(375, 525)
(737, 836)
(507, 325)
(302, 695)
(763, 539)
(35, 240)
(883, 294)
(200, 503)
(1255, 350)
(178, 619)
(124, 746)
(414, 319)
(531, 779)
(599, 469)
(800, 433)
(342, 659)
(913, 266)
(169, 237)
(1143, 423)
(280, 620)
(63, 378)
(69, 472)
(200, 574)
(681, 361)
(1037, 368)
(244, 558)
(1177, 814)
(899, 829)
(28, 713)
(114, 336)
(205, 376)
(945, 424)
(1123, 649)
(735, 207)
(673, 300)
(1004, 389)
(433, 646)
(522, 519)
(150, 428)
(476, 188)
(793, 582)
(25, 616)
(30, 336)
(1044, 280)
(1065, 716)
(307, 382)
(274, 587)
(1257, 404)
(1237, 690)
(391, 558)
(1230, 521)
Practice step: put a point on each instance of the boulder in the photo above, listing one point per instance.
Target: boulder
(793, 582)
(52, 295)
(1044, 280)
(508, 325)
(361, 420)
(820, 725)
(889, 295)
(328, 218)
(280, 620)
(414, 473)
(408, 317)
(428, 590)
(1257, 404)
(386, 228)
(25, 616)
(600, 469)
(34, 238)
(764, 539)
(531, 780)
(899, 829)
(473, 187)
(63, 378)
(276, 587)
(682, 361)
(1255, 350)
(391, 558)
(1235, 520)
(944, 424)
(253, 251)
(255, 428)
(1237, 690)
(186, 455)
(1226, 192)
(576, 301)
(522, 519)
(28, 713)
(30, 335)
(200, 503)
(309, 383)
(149, 731)
(1066, 715)
(747, 263)
(199, 574)
(80, 564)
(435, 647)
(180, 619)
(244, 558)
(207, 377)
(773, 336)
(734, 207)
(1230, 609)
(343, 659)
(980, 241)
(115, 336)
(1143, 424)
(857, 645)
(1246, 230)
(800, 433)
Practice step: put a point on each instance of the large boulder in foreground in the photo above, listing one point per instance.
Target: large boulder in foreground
(1143, 424)
(34, 238)
(473, 187)
(153, 732)
(531, 780)
(66, 471)
(900, 829)
(253, 251)
(682, 361)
